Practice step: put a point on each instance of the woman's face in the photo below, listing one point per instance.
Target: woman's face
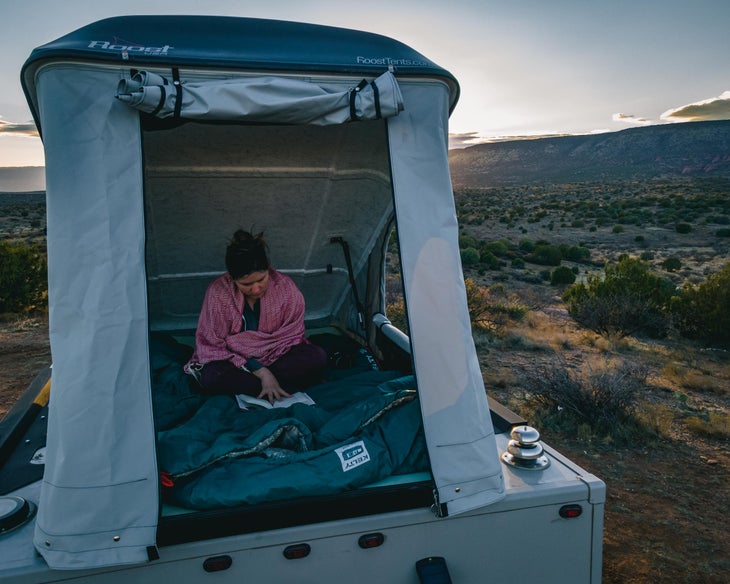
(253, 286)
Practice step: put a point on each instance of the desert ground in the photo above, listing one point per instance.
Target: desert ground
(668, 486)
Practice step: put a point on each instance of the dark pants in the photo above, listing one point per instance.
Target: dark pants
(302, 366)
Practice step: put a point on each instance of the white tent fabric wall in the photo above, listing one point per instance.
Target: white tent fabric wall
(99, 503)
(456, 418)
(99, 498)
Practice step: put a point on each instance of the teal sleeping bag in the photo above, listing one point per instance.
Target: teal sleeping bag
(362, 428)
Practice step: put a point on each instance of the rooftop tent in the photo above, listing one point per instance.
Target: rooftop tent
(130, 204)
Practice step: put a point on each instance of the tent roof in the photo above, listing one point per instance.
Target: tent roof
(231, 42)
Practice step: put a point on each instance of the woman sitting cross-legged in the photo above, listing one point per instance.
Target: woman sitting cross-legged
(250, 336)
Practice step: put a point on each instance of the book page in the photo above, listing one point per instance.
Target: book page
(245, 401)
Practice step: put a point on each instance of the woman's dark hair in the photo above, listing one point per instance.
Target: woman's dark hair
(246, 254)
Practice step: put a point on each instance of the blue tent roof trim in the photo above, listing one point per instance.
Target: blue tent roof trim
(221, 41)
(237, 43)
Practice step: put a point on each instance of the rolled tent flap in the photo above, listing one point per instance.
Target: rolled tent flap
(262, 99)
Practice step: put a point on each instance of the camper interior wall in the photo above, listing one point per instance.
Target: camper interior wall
(300, 185)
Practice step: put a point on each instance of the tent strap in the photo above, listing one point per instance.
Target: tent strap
(353, 93)
(178, 90)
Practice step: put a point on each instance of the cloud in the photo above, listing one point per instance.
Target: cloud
(18, 129)
(715, 108)
(463, 140)
(632, 119)
(457, 141)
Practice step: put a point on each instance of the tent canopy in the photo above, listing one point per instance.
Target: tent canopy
(138, 215)
(223, 42)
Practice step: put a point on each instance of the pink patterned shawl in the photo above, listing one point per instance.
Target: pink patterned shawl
(220, 336)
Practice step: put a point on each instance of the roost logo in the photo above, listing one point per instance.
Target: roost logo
(125, 47)
(360, 60)
(353, 455)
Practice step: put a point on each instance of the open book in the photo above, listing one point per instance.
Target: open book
(246, 401)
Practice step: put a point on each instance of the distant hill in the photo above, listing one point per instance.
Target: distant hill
(20, 179)
(669, 150)
(696, 148)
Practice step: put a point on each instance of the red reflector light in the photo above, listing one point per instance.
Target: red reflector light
(217, 563)
(297, 551)
(570, 511)
(371, 540)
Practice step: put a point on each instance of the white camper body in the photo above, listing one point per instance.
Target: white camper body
(163, 135)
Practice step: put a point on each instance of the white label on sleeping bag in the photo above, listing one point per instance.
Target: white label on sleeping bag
(353, 455)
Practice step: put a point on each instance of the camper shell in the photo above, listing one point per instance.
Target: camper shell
(165, 134)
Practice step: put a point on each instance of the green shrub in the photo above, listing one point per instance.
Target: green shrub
(719, 219)
(618, 229)
(545, 254)
(723, 233)
(683, 227)
(489, 261)
(498, 248)
(469, 256)
(467, 241)
(527, 245)
(703, 312)
(562, 275)
(627, 299)
(518, 263)
(23, 278)
(647, 255)
(672, 264)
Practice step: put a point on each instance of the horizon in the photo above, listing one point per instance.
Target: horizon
(31, 178)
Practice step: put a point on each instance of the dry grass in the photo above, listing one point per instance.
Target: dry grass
(675, 477)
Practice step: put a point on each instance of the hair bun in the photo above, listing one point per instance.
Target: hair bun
(246, 253)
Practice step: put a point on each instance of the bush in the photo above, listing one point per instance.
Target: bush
(723, 233)
(527, 245)
(683, 227)
(545, 254)
(489, 261)
(618, 229)
(469, 257)
(467, 241)
(672, 264)
(498, 248)
(562, 275)
(486, 311)
(23, 278)
(575, 253)
(396, 313)
(604, 399)
(719, 219)
(703, 312)
(628, 299)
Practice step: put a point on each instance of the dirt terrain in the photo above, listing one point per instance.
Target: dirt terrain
(668, 492)
(668, 495)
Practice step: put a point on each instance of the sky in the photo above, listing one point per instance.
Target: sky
(526, 67)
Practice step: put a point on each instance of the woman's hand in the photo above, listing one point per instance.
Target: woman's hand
(270, 388)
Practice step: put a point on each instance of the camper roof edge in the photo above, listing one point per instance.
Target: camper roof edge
(233, 42)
